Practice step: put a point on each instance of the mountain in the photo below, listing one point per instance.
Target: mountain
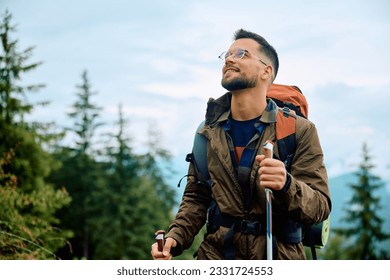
(341, 193)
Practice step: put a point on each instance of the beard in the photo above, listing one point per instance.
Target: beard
(238, 83)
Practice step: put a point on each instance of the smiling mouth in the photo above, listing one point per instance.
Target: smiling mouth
(230, 70)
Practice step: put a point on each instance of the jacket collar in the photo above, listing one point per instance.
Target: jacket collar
(218, 110)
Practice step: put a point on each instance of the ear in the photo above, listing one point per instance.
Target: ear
(268, 73)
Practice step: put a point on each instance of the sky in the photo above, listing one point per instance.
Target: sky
(159, 59)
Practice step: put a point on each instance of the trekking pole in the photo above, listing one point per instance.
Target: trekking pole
(160, 238)
(268, 152)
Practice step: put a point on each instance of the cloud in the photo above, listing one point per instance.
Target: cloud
(159, 59)
(346, 117)
(202, 83)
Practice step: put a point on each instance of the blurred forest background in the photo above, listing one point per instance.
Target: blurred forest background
(98, 199)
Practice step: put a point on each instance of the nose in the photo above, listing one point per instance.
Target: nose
(230, 57)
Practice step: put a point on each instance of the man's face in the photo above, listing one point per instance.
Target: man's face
(238, 74)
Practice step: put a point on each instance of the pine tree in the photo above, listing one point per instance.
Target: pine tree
(85, 115)
(28, 203)
(80, 173)
(12, 66)
(157, 197)
(113, 219)
(362, 214)
(131, 205)
(153, 164)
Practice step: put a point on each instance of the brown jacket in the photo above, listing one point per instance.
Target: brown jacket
(307, 200)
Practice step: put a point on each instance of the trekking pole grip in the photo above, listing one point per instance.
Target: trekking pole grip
(268, 149)
(160, 238)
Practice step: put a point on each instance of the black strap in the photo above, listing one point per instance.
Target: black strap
(216, 219)
(289, 105)
(230, 251)
(245, 227)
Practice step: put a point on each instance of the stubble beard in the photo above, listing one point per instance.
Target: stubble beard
(238, 83)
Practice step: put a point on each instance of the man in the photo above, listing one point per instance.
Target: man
(237, 124)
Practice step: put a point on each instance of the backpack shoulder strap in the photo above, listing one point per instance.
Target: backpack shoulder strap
(312, 236)
(199, 156)
(285, 135)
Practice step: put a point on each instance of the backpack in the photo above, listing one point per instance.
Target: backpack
(291, 102)
(290, 96)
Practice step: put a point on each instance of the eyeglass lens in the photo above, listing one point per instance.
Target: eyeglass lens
(237, 54)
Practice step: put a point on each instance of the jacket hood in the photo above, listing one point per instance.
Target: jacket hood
(216, 107)
(219, 110)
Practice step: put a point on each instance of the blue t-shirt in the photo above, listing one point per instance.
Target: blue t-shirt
(241, 133)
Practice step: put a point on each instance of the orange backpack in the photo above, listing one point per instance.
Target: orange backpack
(291, 102)
(290, 96)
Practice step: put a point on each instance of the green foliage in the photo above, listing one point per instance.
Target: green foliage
(80, 175)
(27, 202)
(85, 115)
(80, 172)
(12, 66)
(190, 253)
(335, 249)
(119, 198)
(361, 213)
(135, 202)
(108, 206)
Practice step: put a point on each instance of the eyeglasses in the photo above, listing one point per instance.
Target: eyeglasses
(237, 54)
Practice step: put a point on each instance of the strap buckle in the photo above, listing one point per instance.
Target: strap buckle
(286, 111)
(250, 227)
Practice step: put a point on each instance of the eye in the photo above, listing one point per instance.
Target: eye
(240, 53)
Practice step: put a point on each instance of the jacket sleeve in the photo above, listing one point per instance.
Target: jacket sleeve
(191, 215)
(308, 197)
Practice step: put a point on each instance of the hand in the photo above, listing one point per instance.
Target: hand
(271, 173)
(166, 253)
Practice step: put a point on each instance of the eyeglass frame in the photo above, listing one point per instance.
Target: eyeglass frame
(224, 55)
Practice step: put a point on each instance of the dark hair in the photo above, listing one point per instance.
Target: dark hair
(265, 47)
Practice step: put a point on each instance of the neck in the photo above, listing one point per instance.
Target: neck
(248, 104)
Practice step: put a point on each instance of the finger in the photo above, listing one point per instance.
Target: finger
(169, 243)
(275, 182)
(267, 162)
(271, 162)
(264, 178)
(259, 158)
(272, 185)
(156, 254)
